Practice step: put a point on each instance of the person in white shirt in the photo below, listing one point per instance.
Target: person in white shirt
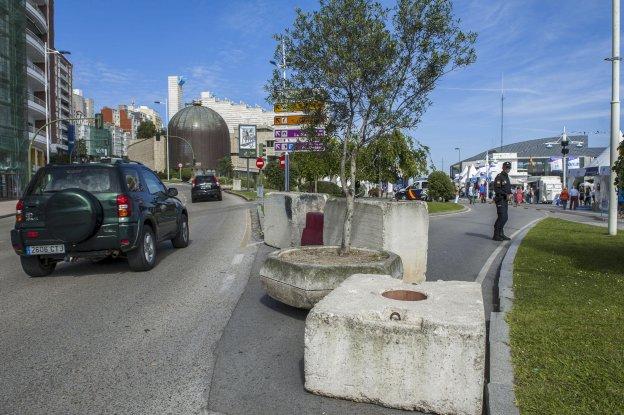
(574, 198)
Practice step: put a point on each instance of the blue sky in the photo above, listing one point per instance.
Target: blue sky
(551, 53)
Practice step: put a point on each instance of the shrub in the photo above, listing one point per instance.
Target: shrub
(329, 188)
(440, 186)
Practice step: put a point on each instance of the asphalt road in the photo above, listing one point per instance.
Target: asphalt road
(97, 338)
(259, 368)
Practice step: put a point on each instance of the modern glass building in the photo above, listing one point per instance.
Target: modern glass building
(13, 91)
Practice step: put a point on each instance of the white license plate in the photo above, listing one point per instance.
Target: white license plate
(45, 250)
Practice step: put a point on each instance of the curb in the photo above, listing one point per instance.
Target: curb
(500, 396)
(241, 196)
(7, 216)
(455, 212)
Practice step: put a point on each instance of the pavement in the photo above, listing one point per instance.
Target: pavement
(259, 367)
(7, 208)
(98, 338)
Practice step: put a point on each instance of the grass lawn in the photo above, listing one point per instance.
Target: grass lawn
(567, 322)
(436, 207)
(249, 194)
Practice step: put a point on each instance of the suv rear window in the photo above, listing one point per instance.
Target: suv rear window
(90, 178)
(205, 179)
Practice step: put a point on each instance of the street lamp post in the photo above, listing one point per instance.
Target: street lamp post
(615, 115)
(189, 144)
(166, 102)
(283, 67)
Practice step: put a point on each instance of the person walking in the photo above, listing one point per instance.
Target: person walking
(482, 191)
(518, 196)
(564, 197)
(574, 198)
(502, 190)
(471, 194)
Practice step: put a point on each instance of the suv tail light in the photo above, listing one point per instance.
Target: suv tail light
(195, 182)
(19, 211)
(123, 206)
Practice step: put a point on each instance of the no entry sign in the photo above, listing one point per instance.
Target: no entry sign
(260, 163)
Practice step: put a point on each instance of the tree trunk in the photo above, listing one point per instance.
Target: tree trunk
(345, 247)
(315, 185)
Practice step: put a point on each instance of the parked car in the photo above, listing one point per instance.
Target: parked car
(411, 193)
(97, 210)
(206, 187)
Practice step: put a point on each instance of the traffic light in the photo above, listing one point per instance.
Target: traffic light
(564, 145)
(99, 121)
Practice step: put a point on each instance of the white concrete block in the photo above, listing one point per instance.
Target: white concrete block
(236, 184)
(432, 359)
(396, 226)
(285, 216)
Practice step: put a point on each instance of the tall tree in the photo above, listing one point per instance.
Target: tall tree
(146, 129)
(372, 67)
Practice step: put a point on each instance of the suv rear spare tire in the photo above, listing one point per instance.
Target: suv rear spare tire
(73, 215)
(143, 257)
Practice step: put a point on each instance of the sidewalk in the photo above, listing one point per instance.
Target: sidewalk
(7, 208)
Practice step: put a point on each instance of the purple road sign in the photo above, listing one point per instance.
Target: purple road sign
(320, 132)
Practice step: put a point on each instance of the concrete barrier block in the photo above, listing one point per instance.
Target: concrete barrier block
(285, 216)
(426, 354)
(395, 226)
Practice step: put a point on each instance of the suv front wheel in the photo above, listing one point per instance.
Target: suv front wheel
(36, 266)
(143, 257)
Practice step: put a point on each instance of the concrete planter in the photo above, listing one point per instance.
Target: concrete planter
(399, 227)
(285, 216)
(378, 340)
(302, 284)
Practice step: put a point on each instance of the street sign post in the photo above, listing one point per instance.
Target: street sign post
(297, 106)
(295, 133)
(290, 119)
(260, 163)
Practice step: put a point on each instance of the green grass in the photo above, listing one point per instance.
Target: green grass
(567, 322)
(249, 194)
(437, 207)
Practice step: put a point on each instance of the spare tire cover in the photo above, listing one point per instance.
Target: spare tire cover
(73, 215)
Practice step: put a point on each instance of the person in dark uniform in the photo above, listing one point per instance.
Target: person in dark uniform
(502, 190)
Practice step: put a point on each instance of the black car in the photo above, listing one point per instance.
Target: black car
(97, 210)
(206, 187)
(411, 193)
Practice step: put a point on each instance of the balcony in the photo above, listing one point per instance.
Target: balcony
(35, 44)
(40, 139)
(34, 72)
(36, 16)
(36, 105)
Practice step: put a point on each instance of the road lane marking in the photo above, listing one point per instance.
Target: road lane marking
(227, 283)
(488, 264)
(238, 259)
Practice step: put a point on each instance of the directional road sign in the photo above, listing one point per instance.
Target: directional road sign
(320, 132)
(290, 120)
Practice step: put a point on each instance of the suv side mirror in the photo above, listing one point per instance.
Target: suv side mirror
(172, 192)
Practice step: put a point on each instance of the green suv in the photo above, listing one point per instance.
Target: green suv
(98, 210)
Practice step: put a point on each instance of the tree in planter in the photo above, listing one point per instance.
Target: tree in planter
(371, 67)
(225, 166)
(440, 186)
(146, 129)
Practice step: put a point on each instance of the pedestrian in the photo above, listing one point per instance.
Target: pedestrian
(537, 196)
(574, 198)
(527, 195)
(482, 192)
(564, 197)
(518, 196)
(471, 194)
(502, 190)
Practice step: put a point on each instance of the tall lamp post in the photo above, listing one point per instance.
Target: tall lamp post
(458, 158)
(615, 115)
(282, 66)
(49, 51)
(166, 102)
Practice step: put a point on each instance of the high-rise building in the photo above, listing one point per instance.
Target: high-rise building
(60, 97)
(176, 97)
(14, 98)
(150, 113)
(237, 113)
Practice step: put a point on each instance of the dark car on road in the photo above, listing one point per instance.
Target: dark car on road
(206, 187)
(97, 210)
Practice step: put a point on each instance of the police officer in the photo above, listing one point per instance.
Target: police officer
(502, 190)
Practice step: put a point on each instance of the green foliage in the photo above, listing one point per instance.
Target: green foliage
(314, 165)
(372, 68)
(146, 129)
(566, 323)
(392, 156)
(274, 176)
(619, 168)
(225, 180)
(329, 188)
(162, 175)
(440, 187)
(439, 207)
(225, 167)
(81, 148)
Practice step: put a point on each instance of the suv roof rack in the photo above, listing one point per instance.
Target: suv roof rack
(117, 160)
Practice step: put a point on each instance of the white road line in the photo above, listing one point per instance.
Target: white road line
(227, 282)
(488, 264)
(238, 259)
